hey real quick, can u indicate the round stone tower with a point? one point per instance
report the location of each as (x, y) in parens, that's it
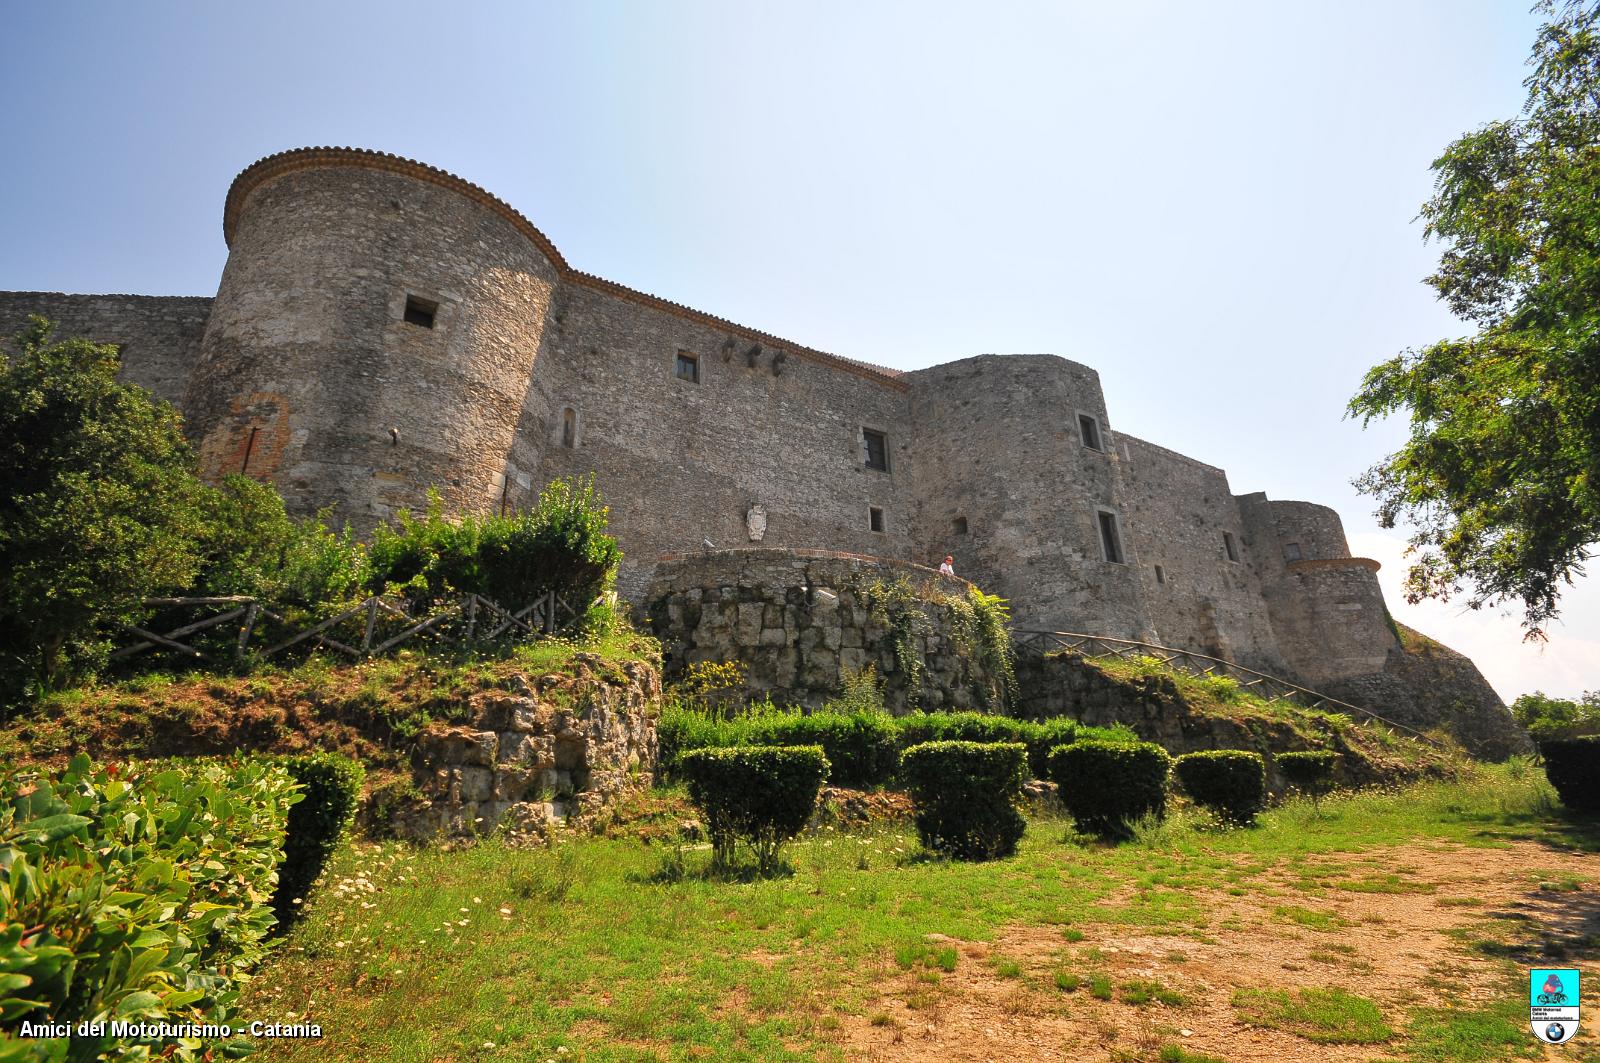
(1018, 478)
(372, 336)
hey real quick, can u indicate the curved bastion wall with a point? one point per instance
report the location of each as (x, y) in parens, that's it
(800, 620)
(372, 337)
(1017, 468)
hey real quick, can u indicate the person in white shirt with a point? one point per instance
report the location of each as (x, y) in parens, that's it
(948, 568)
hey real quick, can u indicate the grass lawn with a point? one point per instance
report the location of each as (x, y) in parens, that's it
(611, 949)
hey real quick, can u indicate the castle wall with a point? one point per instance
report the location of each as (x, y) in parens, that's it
(1326, 607)
(680, 462)
(305, 370)
(159, 334)
(998, 445)
(310, 374)
(1180, 515)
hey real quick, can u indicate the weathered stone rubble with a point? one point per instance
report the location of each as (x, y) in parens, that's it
(799, 620)
(543, 751)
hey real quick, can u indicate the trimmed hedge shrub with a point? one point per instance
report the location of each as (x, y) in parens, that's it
(332, 792)
(1230, 782)
(1107, 785)
(1310, 771)
(1573, 765)
(1040, 737)
(761, 794)
(966, 796)
(862, 747)
(135, 892)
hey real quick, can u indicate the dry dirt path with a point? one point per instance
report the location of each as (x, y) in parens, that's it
(1446, 932)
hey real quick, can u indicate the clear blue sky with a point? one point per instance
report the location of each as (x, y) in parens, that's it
(1212, 204)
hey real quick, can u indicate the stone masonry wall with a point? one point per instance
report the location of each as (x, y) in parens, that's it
(1179, 514)
(159, 334)
(682, 461)
(1427, 685)
(799, 620)
(555, 747)
(310, 373)
(999, 446)
(304, 370)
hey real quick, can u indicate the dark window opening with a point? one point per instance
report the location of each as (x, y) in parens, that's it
(1229, 546)
(875, 518)
(960, 525)
(1291, 551)
(877, 449)
(420, 311)
(569, 427)
(687, 367)
(1110, 540)
(1161, 576)
(1089, 429)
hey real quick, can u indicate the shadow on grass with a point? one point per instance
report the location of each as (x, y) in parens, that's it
(675, 868)
(1557, 829)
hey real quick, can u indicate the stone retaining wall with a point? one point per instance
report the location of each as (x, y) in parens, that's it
(799, 620)
(548, 749)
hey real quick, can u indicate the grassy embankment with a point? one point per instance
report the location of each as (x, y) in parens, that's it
(610, 949)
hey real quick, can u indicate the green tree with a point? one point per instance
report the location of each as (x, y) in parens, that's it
(99, 508)
(1500, 477)
(1547, 718)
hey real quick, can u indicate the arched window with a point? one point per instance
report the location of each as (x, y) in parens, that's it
(569, 427)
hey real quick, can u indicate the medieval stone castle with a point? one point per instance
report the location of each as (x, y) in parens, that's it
(383, 326)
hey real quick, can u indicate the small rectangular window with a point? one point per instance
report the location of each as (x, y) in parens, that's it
(1089, 429)
(877, 448)
(875, 518)
(1161, 575)
(960, 526)
(1110, 538)
(1291, 551)
(1229, 546)
(687, 367)
(420, 311)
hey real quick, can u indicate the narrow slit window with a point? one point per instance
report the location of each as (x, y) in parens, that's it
(875, 518)
(1110, 538)
(1089, 429)
(959, 526)
(420, 311)
(1161, 575)
(877, 449)
(1291, 551)
(687, 367)
(1230, 546)
(569, 427)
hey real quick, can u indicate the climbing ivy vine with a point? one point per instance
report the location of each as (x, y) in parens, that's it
(976, 623)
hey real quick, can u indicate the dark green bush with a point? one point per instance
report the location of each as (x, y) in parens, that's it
(966, 796)
(763, 795)
(1230, 782)
(559, 544)
(1107, 785)
(1573, 765)
(1310, 771)
(134, 891)
(862, 747)
(331, 785)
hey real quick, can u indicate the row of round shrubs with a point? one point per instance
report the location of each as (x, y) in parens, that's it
(864, 748)
(966, 793)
